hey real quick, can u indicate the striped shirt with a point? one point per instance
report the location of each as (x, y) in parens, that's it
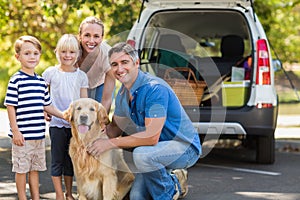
(28, 94)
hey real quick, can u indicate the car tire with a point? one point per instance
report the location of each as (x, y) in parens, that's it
(265, 149)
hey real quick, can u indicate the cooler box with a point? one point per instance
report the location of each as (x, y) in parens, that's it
(234, 94)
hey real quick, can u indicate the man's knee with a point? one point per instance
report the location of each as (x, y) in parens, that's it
(143, 161)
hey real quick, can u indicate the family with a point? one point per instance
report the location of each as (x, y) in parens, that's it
(164, 142)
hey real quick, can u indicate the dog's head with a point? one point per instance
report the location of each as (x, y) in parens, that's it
(86, 115)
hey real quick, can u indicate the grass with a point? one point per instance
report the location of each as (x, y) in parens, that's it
(288, 97)
(285, 91)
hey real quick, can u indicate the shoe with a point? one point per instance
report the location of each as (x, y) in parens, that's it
(182, 176)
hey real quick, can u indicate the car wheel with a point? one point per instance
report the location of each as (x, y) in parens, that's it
(265, 149)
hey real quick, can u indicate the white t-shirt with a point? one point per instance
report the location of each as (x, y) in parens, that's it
(64, 88)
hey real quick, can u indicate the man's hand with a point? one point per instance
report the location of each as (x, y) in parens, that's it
(99, 146)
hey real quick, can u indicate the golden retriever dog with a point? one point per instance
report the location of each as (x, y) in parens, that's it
(106, 177)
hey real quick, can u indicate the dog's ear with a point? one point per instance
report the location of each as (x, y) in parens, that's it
(68, 114)
(102, 115)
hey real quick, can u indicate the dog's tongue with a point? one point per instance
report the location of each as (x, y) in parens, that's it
(83, 128)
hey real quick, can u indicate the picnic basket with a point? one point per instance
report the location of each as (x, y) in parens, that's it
(187, 88)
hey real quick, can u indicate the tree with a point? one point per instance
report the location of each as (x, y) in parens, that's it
(281, 21)
(48, 20)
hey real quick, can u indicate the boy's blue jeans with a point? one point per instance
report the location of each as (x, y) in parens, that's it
(154, 163)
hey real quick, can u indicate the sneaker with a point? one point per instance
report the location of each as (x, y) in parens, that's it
(181, 175)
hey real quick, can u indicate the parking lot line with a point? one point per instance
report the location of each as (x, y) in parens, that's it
(243, 170)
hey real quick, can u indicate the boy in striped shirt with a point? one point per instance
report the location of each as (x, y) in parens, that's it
(26, 100)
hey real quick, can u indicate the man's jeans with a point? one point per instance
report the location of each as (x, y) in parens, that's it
(154, 163)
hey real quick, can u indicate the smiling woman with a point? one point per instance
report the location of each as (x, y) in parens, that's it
(94, 61)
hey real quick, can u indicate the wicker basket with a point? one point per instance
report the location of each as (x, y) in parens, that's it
(189, 91)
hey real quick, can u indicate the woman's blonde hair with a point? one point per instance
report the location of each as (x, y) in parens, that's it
(91, 20)
(68, 42)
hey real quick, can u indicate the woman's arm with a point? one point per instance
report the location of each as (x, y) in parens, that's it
(109, 86)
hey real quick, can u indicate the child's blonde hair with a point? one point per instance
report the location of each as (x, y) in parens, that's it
(27, 38)
(68, 42)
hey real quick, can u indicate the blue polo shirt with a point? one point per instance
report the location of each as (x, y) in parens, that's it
(154, 98)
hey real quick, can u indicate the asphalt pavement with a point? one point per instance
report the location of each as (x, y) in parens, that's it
(287, 136)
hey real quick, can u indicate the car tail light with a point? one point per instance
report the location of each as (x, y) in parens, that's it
(131, 42)
(264, 105)
(263, 73)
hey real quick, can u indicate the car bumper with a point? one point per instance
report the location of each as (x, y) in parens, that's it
(243, 121)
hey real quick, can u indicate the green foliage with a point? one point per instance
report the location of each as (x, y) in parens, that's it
(117, 15)
(281, 21)
(48, 20)
(286, 93)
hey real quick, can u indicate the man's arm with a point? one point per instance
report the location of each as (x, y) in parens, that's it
(112, 129)
(149, 137)
(108, 89)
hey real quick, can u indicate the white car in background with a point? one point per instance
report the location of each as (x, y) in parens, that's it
(223, 43)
